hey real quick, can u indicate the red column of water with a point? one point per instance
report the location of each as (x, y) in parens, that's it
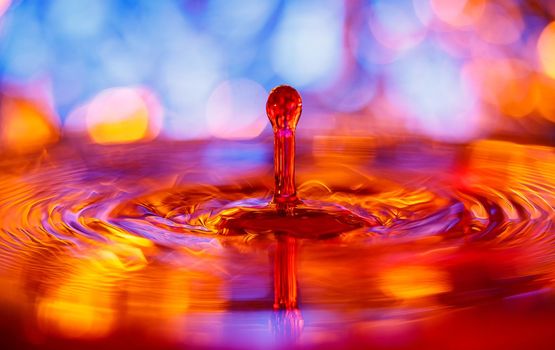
(284, 167)
(285, 274)
(284, 108)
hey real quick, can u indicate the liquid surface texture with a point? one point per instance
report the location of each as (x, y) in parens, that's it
(122, 247)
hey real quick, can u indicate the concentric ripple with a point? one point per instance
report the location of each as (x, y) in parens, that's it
(105, 220)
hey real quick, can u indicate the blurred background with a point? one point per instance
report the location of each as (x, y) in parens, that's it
(120, 71)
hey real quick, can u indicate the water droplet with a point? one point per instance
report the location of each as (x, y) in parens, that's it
(284, 108)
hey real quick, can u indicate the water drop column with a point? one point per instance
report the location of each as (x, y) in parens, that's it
(284, 109)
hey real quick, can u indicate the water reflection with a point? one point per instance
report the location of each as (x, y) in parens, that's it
(97, 249)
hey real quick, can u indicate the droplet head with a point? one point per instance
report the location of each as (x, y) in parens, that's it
(284, 107)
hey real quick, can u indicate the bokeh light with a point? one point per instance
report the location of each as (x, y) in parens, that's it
(428, 83)
(26, 124)
(395, 24)
(4, 4)
(446, 70)
(546, 49)
(506, 84)
(236, 110)
(500, 25)
(458, 13)
(305, 48)
(122, 115)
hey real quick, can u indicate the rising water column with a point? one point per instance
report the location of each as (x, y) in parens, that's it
(284, 109)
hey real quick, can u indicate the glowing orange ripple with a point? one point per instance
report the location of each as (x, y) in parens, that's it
(413, 282)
